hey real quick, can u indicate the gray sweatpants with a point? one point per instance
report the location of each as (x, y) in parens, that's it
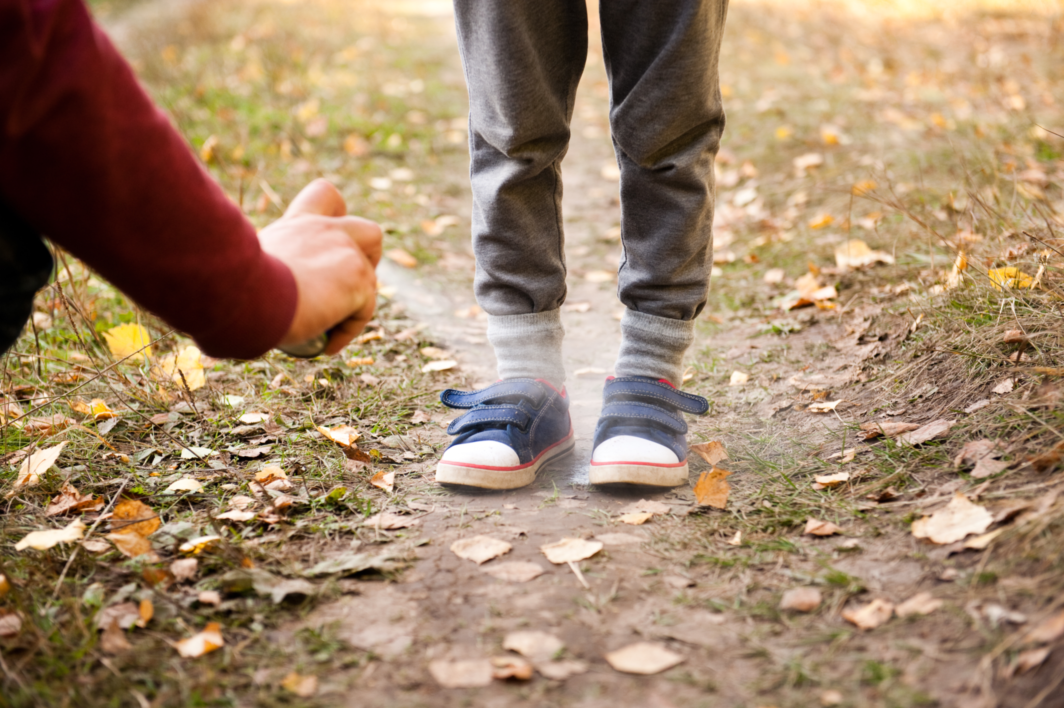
(523, 60)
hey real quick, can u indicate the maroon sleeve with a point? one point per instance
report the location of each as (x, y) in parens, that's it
(87, 159)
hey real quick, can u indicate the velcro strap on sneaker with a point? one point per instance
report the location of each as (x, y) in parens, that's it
(528, 389)
(629, 410)
(627, 387)
(504, 414)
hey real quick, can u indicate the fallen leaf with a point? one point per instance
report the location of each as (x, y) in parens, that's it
(636, 519)
(808, 161)
(387, 521)
(1004, 387)
(384, 480)
(236, 515)
(480, 549)
(1030, 659)
(774, 276)
(130, 545)
(930, 431)
(1048, 459)
(199, 544)
(437, 366)
(113, 640)
(43, 540)
(129, 341)
(804, 599)
(843, 457)
(712, 452)
(712, 488)
(816, 527)
(345, 435)
(511, 667)
(5, 586)
(953, 522)
(738, 378)
(146, 610)
(49, 425)
(982, 454)
(270, 474)
(871, 615)
(95, 545)
(184, 569)
(534, 645)
(124, 614)
(569, 550)
(36, 464)
(886, 429)
(100, 410)
(253, 418)
(856, 254)
(185, 484)
(401, 257)
(10, 623)
(736, 540)
(300, 685)
(821, 220)
(196, 453)
(136, 517)
(1047, 631)
(1009, 278)
(514, 571)
(923, 603)
(823, 406)
(466, 673)
(561, 670)
(199, 644)
(644, 658)
(649, 506)
(70, 499)
(827, 481)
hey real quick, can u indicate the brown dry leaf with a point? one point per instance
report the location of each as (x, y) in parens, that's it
(1030, 659)
(130, 545)
(146, 610)
(1005, 386)
(650, 506)
(199, 644)
(70, 499)
(10, 623)
(465, 673)
(886, 429)
(95, 545)
(827, 481)
(236, 515)
(1047, 631)
(511, 667)
(113, 640)
(738, 378)
(712, 452)
(805, 599)
(636, 519)
(856, 254)
(1014, 336)
(823, 406)
(387, 521)
(125, 614)
(570, 550)
(816, 527)
(270, 474)
(1048, 459)
(480, 549)
(43, 540)
(953, 522)
(36, 464)
(401, 257)
(922, 603)
(5, 586)
(384, 480)
(561, 670)
(871, 615)
(184, 569)
(438, 366)
(981, 541)
(133, 516)
(736, 540)
(514, 571)
(983, 454)
(302, 686)
(344, 435)
(534, 645)
(48, 425)
(713, 489)
(185, 484)
(930, 431)
(644, 658)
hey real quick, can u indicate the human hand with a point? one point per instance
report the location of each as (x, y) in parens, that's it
(333, 258)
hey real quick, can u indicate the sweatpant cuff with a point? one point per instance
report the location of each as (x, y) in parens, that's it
(654, 346)
(529, 346)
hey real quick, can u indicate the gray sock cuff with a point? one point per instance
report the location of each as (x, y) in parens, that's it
(654, 346)
(529, 346)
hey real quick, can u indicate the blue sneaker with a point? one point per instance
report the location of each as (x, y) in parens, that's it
(512, 429)
(641, 434)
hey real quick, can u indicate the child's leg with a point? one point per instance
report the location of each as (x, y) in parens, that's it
(666, 119)
(523, 60)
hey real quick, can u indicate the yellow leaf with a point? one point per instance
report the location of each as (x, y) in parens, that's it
(738, 378)
(130, 545)
(43, 540)
(197, 545)
(134, 517)
(637, 519)
(783, 132)
(864, 187)
(712, 452)
(302, 686)
(345, 435)
(129, 341)
(1009, 277)
(199, 644)
(78, 405)
(821, 221)
(959, 266)
(713, 489)
(270, 473)
(5, 586)
(401, 257)
(356, 146)
(188, 363)
(100, 410)
(36, 464)
(856, 254)
(207, 151)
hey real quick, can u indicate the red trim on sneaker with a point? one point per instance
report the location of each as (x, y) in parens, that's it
(681, 463)
(667, 382)
(518, 467)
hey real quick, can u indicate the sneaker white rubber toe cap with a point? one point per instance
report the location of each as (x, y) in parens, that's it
(482, 453)
(626, 459)
(628, 448)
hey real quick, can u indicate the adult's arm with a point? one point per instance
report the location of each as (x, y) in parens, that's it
(88, 161)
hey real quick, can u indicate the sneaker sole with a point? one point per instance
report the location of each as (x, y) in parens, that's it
(501, 477)
(637, 473)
